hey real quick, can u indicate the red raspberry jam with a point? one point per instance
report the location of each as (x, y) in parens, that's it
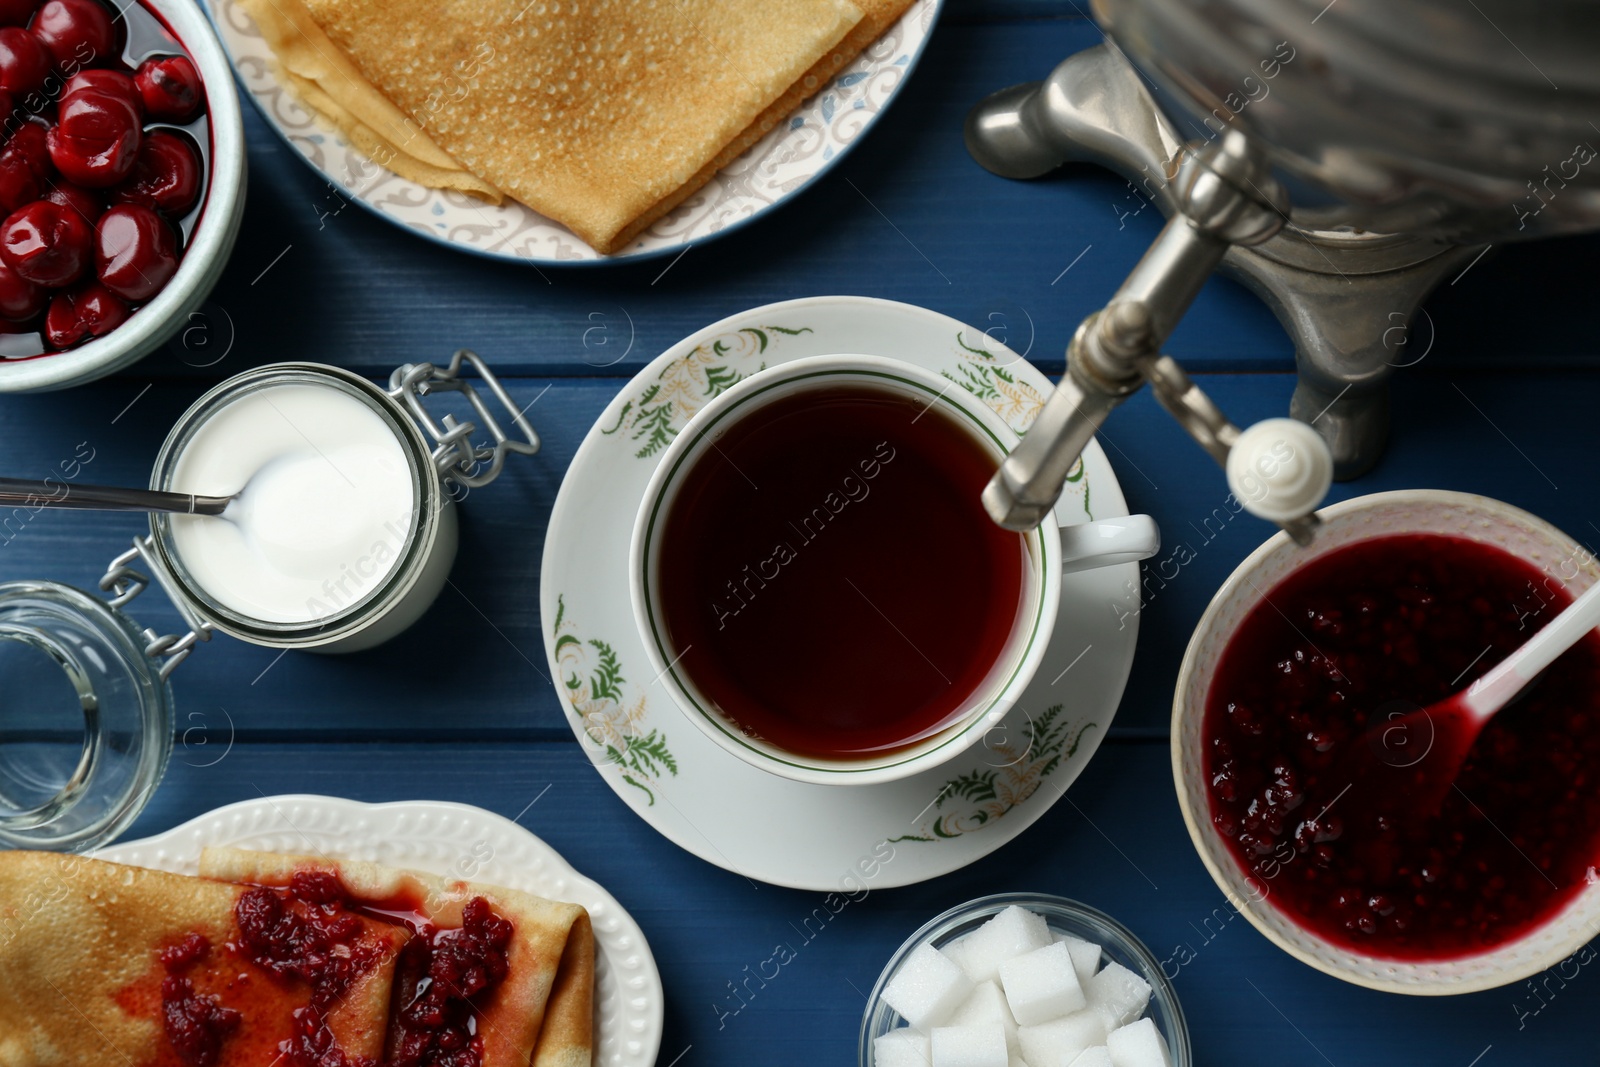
(247, 1002)
(305, 934)
(1357, 638)
(196, 1024)
(445, 975)
(191, 950)
(310, 933)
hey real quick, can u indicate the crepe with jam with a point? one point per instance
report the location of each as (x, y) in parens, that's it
(285, 960)
(106, 964)
(603, 116)
(541, 1004)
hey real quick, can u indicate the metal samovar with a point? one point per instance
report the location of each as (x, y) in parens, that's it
(1339, 159)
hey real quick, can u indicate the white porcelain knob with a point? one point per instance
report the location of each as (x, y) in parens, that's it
(1280, 469)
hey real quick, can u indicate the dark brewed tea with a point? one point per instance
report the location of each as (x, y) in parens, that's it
(829, 575)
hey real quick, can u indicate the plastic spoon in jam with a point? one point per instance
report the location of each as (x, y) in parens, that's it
(29, 493)
(1448, 728)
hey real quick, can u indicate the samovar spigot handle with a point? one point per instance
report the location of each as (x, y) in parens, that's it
(1226, 195)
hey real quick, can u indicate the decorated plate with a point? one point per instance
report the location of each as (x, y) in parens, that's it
(708, 800)
(820, 131)
(454, 840)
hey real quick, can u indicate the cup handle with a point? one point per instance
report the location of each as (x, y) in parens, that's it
(1088, 545)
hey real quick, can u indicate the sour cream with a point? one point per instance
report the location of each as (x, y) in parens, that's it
(324, 507)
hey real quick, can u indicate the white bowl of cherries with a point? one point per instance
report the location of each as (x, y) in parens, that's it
(121, 182)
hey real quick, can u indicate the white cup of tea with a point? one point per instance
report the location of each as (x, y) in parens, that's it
(818, 587)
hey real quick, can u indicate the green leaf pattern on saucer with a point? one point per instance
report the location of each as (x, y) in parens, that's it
(979, 797)
(592, 677)
(594, 683)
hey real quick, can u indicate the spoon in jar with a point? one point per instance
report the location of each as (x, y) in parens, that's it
(25, 492)
(1385, 764)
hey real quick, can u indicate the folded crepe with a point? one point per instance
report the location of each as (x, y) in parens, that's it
(330, 84)
(603, 115)
(876, 18)
(81, 975)
(542, 1014)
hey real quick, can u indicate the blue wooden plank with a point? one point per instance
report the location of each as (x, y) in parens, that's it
(1119, 845)
(979, 11)
(908, 217)
(1515, 309)
(1491, 434)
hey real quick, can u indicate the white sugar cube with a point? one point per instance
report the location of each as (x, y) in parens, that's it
(901, 1048)
(1058, 1042)
(956, 952)
(988, 1005)
(1138, 1044)
(1042, 985)
(1098, 1056)
(980, 1045)
(1085, 956)
(927, 988)
(1016, 1061)
(1010, 933)
(1117, 995)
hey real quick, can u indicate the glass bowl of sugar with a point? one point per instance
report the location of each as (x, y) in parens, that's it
(1023, 980)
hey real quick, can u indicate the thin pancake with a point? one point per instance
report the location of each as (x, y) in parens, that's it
(327, 82)
(544, 1011)
(79, 945)
(878, 16)
(593, 114)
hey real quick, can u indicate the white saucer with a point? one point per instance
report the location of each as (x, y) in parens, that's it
(807, 143)
(455, 840)
(710, 802)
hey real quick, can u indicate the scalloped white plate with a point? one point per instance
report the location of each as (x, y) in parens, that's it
(819, 132)
(455, 840)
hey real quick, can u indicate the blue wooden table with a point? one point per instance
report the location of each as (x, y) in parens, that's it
(458, 708)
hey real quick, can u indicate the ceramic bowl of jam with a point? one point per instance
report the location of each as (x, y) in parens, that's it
(121, 182)
(1305, 654)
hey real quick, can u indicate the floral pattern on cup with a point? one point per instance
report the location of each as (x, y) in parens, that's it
(803, 835)
(654, 417)
(1011, 397)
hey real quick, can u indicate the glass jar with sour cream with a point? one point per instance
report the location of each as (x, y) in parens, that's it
(342, 531)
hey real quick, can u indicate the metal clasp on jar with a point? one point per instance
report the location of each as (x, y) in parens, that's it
(123, 583)
(458, 460)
